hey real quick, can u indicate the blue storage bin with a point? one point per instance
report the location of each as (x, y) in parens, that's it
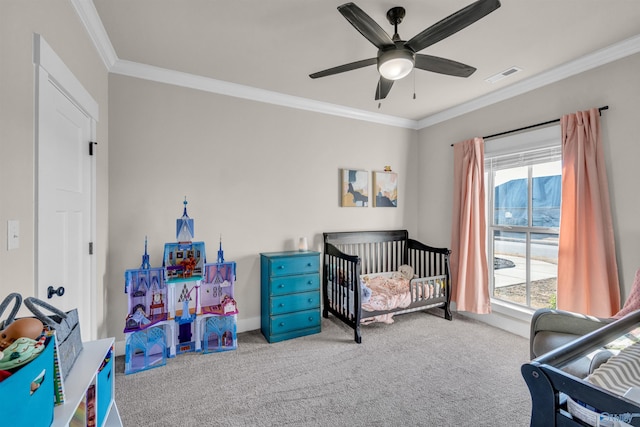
(18, 403)
(105, 387)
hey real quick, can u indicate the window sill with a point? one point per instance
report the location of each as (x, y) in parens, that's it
(511, 310)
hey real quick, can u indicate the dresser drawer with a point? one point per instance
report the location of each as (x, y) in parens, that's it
(295, 302)
(291, 284)
(294, 265)
(294, 321)
(290, 294)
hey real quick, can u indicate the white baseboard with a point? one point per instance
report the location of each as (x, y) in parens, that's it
(510, 318)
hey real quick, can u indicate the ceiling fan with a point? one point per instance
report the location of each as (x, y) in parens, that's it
(396, 58)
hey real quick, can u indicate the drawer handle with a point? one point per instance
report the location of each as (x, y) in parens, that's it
(281, 324)
(281, 267)
(310, 299)
(281, 285)
(281, 305)
(310, 319)
(309, 265)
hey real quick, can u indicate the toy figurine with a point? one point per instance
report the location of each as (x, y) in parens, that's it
(27, 327)
(20, 342)
(189, 265)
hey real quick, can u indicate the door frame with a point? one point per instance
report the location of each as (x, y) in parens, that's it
(50, 69)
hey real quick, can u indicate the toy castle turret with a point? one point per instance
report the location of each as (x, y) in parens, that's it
(220, 252)
(184, 226)
(186, 258)
(145, 258)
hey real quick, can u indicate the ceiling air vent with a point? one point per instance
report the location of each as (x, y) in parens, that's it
(506, 73)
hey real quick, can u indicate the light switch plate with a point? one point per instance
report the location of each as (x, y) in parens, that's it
(13, 234)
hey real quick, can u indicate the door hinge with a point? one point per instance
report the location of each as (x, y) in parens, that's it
(90, 248)
(91, 144)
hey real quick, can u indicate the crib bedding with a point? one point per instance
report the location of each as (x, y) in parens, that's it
(388, 291)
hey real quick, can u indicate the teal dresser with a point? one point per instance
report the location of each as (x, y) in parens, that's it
(290, 294)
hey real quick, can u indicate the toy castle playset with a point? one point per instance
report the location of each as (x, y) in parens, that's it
(184, 306)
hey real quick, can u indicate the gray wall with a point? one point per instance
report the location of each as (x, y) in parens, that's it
(259, 174)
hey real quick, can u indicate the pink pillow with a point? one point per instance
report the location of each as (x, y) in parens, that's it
(633, 301)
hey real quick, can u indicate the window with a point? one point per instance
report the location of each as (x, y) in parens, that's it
(523, 176)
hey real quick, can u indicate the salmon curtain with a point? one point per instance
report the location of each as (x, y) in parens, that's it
(469, 272)
(587, 268)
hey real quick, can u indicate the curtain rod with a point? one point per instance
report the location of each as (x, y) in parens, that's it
(600, 110)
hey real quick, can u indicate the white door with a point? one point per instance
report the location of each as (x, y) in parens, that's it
(64, 266)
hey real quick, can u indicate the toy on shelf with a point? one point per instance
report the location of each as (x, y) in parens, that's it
(184, 306)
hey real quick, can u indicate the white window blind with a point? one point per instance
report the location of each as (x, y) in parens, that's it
(527, 148)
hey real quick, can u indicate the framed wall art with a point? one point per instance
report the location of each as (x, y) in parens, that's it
(385, 189)
(354, 188)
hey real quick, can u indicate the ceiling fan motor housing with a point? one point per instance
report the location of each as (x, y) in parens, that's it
(395, 15)
(394, 64)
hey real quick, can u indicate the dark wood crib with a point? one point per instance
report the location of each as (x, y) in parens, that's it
(348, 255)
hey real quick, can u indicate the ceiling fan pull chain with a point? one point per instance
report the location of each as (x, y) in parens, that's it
(414, 83)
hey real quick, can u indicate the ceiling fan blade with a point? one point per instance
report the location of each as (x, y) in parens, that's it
(383, 87)
(452, 24)
(443, 66)
(366, 25)
(343, 68)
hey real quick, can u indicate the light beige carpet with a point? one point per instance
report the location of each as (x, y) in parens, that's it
(420, 371)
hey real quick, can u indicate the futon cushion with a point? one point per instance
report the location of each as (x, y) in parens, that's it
(545, 341)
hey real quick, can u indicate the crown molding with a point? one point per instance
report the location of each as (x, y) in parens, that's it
(88, 14)
(600, 57)
(91, 20)
(206, 84)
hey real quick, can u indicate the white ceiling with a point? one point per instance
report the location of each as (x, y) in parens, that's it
(274, 45)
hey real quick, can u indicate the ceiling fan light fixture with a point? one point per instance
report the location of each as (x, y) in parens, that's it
(395, 64)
